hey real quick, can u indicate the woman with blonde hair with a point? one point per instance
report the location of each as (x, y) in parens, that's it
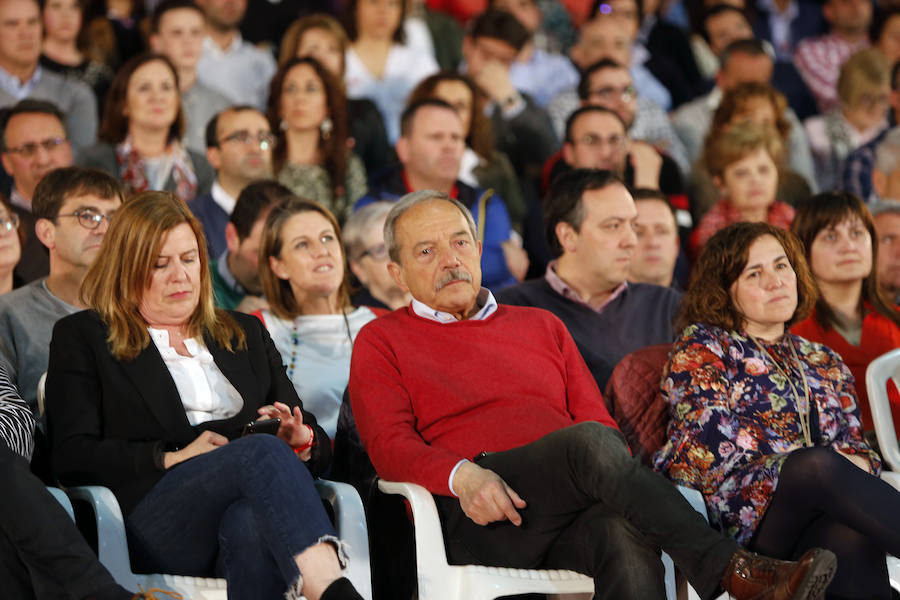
(864, 90)
(303, 273)
(320, 36)
(744, 162)
(150, 392)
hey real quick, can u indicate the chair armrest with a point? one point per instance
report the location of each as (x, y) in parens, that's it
(877, 374)
(429, 536)
(61, 497)
(112, 545)
(350, 522)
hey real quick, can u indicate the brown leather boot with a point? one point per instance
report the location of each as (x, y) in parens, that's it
(758, 577)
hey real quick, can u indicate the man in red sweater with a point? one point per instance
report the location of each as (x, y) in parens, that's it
(493, 410)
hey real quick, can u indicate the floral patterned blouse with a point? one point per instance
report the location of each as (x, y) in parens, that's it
(734, 418)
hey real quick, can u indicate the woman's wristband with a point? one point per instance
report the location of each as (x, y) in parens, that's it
(309, 443)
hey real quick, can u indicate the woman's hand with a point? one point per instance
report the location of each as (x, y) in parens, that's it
(205, 442)
(292, 429)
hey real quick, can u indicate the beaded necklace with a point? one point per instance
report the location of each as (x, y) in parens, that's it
(295, 340)
(802, 405)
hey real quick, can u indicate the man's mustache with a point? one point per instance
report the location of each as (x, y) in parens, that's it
(451, 276)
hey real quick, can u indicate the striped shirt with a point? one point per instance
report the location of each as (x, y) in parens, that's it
(819, 62)
(16, 421)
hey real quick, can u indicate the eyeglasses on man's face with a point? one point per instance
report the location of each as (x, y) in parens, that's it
(90, 218)
(609, 93)
(30, 149)
(263, 139)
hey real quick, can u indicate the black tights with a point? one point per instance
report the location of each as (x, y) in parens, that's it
(824, 500)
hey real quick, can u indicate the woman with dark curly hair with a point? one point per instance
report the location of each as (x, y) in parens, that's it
(308, 111)
(852, 315)
(765, 423)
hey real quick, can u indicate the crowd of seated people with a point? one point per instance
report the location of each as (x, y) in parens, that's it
(260, 219)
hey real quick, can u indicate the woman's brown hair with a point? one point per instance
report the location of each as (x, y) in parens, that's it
(708, 297)
(333, 148)
(290, 41)
(348, 19)
(738, 142)
(120, 275)
(480, 136)
(278, 291)
(736, 100)
(826, 210)
(114, 126)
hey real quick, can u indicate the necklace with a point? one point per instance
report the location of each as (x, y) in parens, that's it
(295, 341)
(803, 406)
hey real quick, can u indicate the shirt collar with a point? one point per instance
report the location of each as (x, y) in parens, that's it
(209, 45)
(17, 88)
(227, 276)
(222, 198)
(565, 290)
(454, 191)
(485, 301)
(17, 199)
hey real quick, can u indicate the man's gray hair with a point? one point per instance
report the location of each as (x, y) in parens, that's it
(885, 207)
(407, 202)
(887, 154)
(359, 223)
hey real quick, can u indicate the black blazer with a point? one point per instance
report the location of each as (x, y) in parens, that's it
(108, 419)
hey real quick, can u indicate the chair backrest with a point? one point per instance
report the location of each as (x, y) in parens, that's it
(881, 369)
(632, 397)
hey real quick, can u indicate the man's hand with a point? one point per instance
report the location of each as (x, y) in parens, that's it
(494, 80)
(647, 163)
(485, 497)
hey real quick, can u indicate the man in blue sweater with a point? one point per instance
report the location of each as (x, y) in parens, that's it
(589, 220)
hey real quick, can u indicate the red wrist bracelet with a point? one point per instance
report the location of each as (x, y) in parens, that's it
(309, 443)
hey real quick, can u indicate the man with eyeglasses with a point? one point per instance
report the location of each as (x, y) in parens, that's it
(72, 207)
(177, 29)
(33, 142)
(239, 146)
(608, 84)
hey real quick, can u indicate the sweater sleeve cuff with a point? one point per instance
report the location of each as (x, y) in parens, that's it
(452, 473)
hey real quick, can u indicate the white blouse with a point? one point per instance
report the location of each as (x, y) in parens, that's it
(205, 392)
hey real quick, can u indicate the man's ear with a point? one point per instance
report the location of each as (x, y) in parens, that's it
(565, 234)
(212, 156)
(568, 154)
(879, 182)
(232, 239)
(402, 149)
(155, 44)
(45, 231)
(7, 164)
(396, 273)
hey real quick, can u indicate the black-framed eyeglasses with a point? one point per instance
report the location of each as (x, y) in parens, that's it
(90, 218)
(614, 141)
(377, 252)
(10, 223)
(30, 149)
(264, 139)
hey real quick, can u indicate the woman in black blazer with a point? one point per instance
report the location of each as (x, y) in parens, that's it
(148, 393)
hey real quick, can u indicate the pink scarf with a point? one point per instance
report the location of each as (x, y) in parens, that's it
(131, 166)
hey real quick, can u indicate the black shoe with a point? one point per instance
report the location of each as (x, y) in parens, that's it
(341, 589)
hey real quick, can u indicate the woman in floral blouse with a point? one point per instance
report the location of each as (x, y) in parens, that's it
(765, 423)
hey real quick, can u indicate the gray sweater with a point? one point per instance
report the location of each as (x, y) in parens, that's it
(27, 316)
(74, 98)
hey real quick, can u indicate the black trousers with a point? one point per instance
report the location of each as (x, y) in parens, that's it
(595, 509)
(42, 553)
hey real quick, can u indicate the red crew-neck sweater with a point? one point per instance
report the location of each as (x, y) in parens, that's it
(426, 395)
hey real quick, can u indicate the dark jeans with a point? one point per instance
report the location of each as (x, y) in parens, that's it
(42, 554)
(242, 512)
(823, 500)
(595, 509)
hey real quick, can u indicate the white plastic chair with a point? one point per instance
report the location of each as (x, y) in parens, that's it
(439, 580)
(112, 546)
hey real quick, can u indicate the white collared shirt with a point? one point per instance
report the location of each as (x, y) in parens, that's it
(485, 300)
(205, 392)
(225, 200)
(241, 71)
